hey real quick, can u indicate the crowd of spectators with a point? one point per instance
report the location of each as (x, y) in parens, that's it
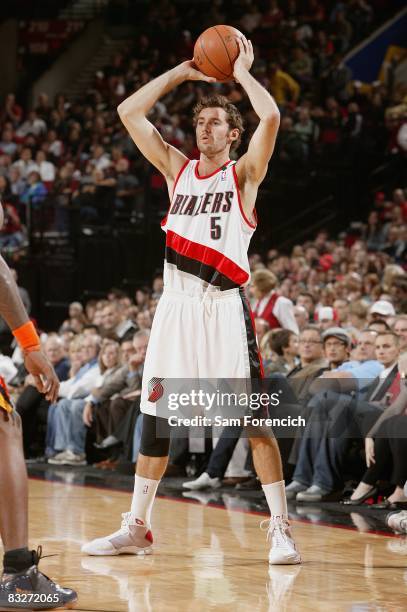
(330, 320)
(330, 316)
(76, 155)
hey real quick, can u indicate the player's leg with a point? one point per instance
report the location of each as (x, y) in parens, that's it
(267, 463)
(13, 479)
(20, 571)
(230, 349)
(134, 535)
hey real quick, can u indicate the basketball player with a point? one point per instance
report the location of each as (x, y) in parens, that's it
(202, 327)
(22, 585)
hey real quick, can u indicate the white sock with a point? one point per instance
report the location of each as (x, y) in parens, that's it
(143, 498)
(276, 499)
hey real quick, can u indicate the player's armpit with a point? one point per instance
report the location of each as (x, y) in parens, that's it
(166, 158)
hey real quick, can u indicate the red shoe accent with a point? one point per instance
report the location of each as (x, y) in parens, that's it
(149, 536)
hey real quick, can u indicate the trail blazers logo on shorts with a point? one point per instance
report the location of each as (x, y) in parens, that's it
(155, 389)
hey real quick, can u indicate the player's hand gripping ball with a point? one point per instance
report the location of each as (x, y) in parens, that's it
(216, 50)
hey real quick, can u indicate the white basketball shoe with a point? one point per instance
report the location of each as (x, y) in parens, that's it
(203, 482)
(283, 550)
(134, 537)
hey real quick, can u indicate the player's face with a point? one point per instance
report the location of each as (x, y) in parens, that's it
(213, 133)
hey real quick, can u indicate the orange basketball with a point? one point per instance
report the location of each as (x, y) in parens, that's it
(215, 51)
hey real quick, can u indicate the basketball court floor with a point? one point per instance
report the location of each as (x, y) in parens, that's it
(210, 553)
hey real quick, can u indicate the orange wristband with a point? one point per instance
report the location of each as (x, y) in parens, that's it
(27, 337)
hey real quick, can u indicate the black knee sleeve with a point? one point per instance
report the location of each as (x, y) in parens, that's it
(155, 437)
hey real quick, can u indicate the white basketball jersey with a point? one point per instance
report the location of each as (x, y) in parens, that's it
(208, 233)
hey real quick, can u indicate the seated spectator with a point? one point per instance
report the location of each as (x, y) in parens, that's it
(17, 184)
(144, 320)
(70, 430)
(262, 327)
(121, 384)
(7, 144)
(25, 164)
(386, 447)
(291, 150)
(306, 129)
(336, 347)
(32, 125)
(341, 308)
(112, 324)
(284, 343)
(336, 416)
(121, 413)
(46, 168)
(270, 306)
(301, 66)
(379, 326)
(100, 159)
(127, 186)
(301, 316)
(11, 234)
(78, 386)
(35, 192)
(358, 312)
(307, 300)
(312, 363)
(282, 86)
(32, 405)
(382, 309)
(400, 328)
(326, 317)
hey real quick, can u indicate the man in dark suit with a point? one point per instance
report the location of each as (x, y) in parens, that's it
(335, 419)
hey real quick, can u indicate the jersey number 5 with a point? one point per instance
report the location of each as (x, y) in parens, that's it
(216, 229)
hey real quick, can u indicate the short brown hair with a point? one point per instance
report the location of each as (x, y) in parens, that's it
(389, 333)
(234, 118)
(281, 340)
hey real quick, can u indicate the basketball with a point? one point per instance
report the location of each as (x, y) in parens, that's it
(216, 50)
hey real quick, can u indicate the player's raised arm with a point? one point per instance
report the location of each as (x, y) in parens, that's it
(134, 110)
(252, 167)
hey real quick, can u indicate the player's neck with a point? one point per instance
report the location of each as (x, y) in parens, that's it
(207, 165)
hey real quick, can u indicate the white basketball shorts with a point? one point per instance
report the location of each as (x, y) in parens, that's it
(207, 336)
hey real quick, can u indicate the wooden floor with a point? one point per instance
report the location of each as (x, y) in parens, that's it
(210, 559)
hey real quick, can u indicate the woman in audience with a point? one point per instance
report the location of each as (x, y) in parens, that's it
(386, 449)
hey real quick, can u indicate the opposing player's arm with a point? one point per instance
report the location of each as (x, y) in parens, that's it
(14, 313)
(134, 110)
(252, 167)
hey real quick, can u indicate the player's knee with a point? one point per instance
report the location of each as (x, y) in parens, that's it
(155, 437)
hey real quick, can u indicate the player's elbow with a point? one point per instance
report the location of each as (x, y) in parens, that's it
(128, 111)
(272, 117)
(123, 110)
